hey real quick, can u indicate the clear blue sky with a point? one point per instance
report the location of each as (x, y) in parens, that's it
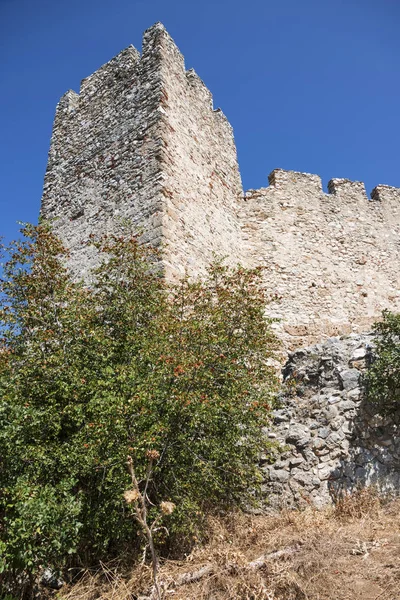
(308, 85)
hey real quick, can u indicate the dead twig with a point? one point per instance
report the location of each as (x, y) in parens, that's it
(138, 500)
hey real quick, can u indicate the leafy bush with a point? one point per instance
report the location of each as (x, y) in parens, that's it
(383, 376)
(90, 375)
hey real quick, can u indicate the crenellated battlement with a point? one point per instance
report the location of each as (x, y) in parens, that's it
(384, 193)
(332, 259)
(342, 188)
(142, 141)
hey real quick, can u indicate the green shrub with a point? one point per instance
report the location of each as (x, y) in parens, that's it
(383, 376)
(90, 375)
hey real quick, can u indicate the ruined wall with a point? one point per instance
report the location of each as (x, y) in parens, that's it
(331, 439)
(331, 259)
(141, 142)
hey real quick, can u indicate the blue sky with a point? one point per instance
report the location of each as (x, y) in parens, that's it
(308, 85)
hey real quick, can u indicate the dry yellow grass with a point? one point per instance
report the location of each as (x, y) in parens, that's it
(351, 552)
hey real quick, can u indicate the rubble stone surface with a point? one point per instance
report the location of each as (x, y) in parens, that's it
(330, 440)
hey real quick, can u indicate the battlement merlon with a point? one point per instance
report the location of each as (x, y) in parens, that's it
(387, 194)
(159, 52)
(351, 191)
(157, 34)
(65, 112)
(279, 178)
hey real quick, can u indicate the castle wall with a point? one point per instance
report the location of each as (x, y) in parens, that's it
(141, 146)
(331, 260)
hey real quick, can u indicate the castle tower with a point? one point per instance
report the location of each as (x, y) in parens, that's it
(142, 142)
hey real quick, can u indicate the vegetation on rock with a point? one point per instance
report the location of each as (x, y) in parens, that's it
(383, 376)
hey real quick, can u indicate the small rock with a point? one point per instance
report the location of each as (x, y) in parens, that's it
(323, 432)
(281, 464)
(349, 378)
(354, 395)
(303, 442)
(347, 428)
(336, 423)
(346, 405)
(334, 439)
(330, 413)
(297, 433)
(280, 416)
(279, 475)
(360, 473)
(327, 457)
(325, 471)
(359, 353)
(322, 452)
(50, 579)
(336, 452)
(334, 399)
(319, 443)
(305, 479)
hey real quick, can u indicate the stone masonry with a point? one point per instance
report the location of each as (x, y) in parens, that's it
(333, 260)
(142, 142)
(330, 440)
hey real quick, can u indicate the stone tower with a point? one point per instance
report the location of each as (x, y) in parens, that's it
(141, 141)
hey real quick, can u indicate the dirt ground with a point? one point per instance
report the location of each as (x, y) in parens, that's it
(351, 552)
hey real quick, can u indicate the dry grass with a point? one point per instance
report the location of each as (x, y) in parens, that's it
(351, 552)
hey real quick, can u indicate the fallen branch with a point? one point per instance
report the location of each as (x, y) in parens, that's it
(209, 569)
(193, 576)
(254, 565)
(260, 562)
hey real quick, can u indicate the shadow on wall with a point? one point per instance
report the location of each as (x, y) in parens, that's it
(331, 439)
(374, 455)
